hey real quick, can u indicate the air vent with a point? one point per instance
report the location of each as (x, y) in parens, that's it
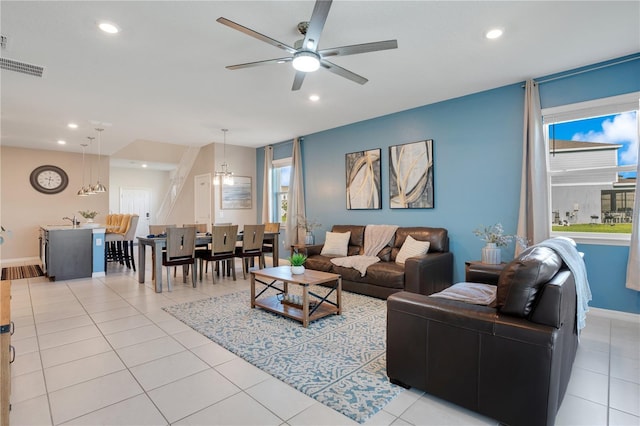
(3, 41)
(21, 67)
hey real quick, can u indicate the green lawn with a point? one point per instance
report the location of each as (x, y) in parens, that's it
(617, 228)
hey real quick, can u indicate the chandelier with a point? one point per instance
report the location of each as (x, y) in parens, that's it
(225, 176)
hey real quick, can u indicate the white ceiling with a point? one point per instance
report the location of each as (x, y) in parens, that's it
(163, 77)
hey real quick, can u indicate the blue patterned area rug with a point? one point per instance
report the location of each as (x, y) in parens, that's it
(339, 360)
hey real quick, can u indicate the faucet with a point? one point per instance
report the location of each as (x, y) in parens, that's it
(73, 220)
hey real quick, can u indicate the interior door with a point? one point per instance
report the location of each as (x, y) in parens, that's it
(137, 201)
(202, 199)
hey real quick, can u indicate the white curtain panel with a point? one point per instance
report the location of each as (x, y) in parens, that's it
(633, 266)
(295, 198)
(267, 184)
(533, 218)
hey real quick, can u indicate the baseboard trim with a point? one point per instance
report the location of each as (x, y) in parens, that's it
(619, 315)
(19, 261)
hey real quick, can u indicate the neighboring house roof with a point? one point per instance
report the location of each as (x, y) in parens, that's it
(625, 182)
(569, 146)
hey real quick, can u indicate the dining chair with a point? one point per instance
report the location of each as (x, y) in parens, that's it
(180, 251)
(267, 243)
(223, 247)
(252, 238)
(201, 228)
(158, 230)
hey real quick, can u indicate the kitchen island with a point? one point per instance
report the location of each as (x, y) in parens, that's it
(70, 252)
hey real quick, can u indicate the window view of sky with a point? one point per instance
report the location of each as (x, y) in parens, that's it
(620, 129)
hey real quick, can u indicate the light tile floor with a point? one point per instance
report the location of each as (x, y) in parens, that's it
(101, 351)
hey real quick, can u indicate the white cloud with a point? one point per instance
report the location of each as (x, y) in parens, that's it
(623, 129)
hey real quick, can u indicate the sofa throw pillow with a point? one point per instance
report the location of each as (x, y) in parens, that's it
(411, 247)
(336, 243)
(520, 281)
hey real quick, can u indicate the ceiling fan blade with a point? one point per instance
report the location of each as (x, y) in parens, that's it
(259, 63)
(330, 66)
(354, 49)
(316, 24)
(255, 34)
(297, 80)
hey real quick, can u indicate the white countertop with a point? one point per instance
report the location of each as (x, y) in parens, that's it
(93, 226)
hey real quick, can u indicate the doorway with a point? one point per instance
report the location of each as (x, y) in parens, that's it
(137, 201)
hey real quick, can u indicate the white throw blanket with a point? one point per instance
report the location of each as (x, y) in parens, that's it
(376, 237)
(475, 293)
(567, 250)
(361, 263)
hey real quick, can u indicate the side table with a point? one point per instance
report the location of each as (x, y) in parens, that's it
(476, 271)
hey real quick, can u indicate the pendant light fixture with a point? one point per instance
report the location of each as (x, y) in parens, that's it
(90, 188)
(99, 187)
(225, 176)
(83, 191)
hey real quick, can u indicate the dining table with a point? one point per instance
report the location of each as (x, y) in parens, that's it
(157, 243)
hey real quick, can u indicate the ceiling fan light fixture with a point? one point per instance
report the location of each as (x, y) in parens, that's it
(494, 33)
(306, 61)
(108, 27)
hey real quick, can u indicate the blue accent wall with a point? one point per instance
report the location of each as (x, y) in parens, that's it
(477, 167)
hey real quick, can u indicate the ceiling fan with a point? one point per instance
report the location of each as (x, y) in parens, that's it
(305, 55)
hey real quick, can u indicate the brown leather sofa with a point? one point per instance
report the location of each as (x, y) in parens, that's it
(424, 274)
(511, 362)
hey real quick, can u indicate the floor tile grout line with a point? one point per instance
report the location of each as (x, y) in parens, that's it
(126, 367)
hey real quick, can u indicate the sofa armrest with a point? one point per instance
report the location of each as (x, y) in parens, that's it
(429, 273)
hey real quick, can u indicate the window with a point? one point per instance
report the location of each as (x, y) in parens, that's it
(281, 174)
(592, 158)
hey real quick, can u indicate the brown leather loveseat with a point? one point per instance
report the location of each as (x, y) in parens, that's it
(425, 274)
(511, 362)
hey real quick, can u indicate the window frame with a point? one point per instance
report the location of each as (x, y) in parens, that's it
(273, 193)
(582, 110)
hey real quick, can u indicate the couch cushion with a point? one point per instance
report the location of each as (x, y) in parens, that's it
(336, 243)
(410, 248)
(319, 263)
(382, 274)
(438, 237)
(357, 235)
(521, 280)
(386, 274)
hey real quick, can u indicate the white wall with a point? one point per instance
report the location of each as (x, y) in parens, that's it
(156, 181)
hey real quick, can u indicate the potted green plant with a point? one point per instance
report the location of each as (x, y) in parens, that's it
(297, 263)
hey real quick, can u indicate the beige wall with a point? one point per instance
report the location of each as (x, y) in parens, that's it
(242, 162)
(155, 181)
(23, 209)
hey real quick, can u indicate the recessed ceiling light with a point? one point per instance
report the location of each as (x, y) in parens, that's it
(108, 27)
(144, 166)
(314, 98)
(61, 142)
(494, 33)
(72, 125)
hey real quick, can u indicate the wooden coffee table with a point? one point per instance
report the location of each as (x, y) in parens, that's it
(303, 312)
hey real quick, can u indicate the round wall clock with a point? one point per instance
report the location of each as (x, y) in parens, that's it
(49, 179)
